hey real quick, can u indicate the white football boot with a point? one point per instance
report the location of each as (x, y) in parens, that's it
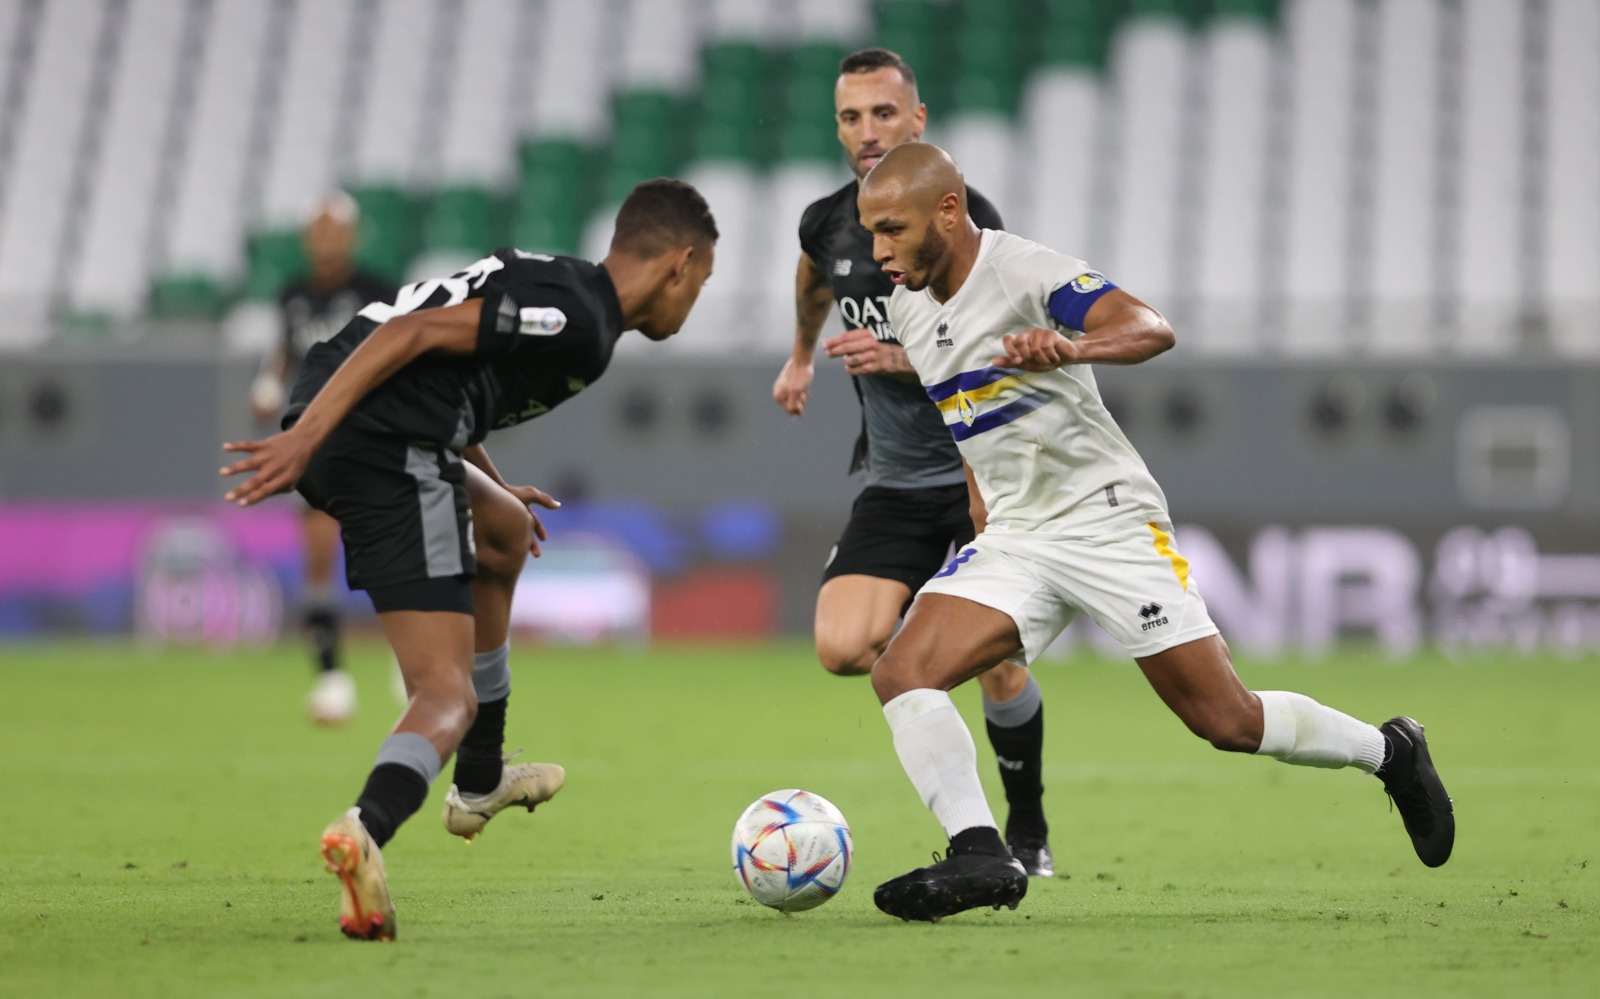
(349, 852)
(526, 784)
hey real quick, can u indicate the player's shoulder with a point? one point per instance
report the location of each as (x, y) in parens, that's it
(579, 288)
(1008, 251)
(824, 210)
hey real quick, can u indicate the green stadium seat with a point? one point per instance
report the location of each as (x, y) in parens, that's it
(1263, 10)
(553, 198)
(275, 259)
(647, 141)
(732, 97)
(388, 234)
(187, 296)
(1076, 34)
(461, 222)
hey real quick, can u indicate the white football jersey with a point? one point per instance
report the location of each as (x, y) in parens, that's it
(1046, 453)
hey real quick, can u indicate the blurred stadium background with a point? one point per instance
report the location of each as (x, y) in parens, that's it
(1374, 223)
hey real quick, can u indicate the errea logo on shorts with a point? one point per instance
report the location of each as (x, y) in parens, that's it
(541, 322)
(1152, 615)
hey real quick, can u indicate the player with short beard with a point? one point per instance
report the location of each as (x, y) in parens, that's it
(1003, 334)
(914, 506)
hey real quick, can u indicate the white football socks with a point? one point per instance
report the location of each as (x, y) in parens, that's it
(1298, 730)
(938, 755)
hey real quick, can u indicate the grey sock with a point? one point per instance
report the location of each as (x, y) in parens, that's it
(1018, 710)
(491, 673)
(412, 751)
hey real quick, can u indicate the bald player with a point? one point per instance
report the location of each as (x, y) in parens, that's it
(313, 308)
(1002, 333)
(912, 511)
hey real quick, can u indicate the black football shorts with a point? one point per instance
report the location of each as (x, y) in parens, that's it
(901, 534)
(404, 515)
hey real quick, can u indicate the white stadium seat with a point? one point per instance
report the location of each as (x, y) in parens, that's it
(206, 233)
(389, 137)
(1224, 280)
(1485, 283)
(48, 140)
(1401, 273)
(112, 266)
(306, 142)
(1315, 238)
(1571, 229)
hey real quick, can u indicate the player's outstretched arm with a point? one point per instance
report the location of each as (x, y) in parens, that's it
(813, 300)
(1118, 329)
(529, 496)
(277, 463)
(865, 354)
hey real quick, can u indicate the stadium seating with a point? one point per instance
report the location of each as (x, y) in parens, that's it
(1299, 177)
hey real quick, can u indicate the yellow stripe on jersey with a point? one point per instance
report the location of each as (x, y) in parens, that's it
(981, 394)
(1180, 565)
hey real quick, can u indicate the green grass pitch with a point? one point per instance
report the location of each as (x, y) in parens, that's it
(161, 813)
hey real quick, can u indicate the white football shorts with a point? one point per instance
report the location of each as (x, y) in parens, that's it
(1132, 582)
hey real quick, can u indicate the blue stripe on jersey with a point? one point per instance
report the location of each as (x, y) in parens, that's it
(969, 380)
(999, 417)
(1070, 303)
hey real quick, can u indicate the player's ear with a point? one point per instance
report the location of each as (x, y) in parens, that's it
(920, 116)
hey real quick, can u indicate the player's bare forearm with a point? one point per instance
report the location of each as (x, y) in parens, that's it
(813, 300)
(894, 363)
(1119, 329)
(478, 455)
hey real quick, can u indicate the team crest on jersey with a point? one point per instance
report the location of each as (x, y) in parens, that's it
(1085, 283)
(541, 322)
(841, 267)
(965, 409)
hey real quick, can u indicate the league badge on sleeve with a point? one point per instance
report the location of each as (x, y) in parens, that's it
(541, 322)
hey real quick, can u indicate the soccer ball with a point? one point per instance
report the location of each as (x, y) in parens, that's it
(791, 850)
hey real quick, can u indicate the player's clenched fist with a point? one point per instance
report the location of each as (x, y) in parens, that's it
(1036, 349)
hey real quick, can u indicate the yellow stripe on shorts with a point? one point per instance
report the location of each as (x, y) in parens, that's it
(1180, 565)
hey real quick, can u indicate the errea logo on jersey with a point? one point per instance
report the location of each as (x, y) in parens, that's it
(944, 339)
(541, 322)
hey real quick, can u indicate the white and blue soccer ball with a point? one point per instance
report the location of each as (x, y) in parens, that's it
(791, 850)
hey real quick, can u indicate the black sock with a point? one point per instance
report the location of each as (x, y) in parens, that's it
(478, 758)
(1021, 771)
(979, 839)
(321, 624)
(393, 794)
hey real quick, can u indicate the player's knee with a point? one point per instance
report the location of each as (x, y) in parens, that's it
(1229, 731)
(845, 659)
(893, 675)
(503, 545)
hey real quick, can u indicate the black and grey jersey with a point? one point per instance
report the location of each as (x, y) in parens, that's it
(547, 330)
(904, 442)
(312, 313)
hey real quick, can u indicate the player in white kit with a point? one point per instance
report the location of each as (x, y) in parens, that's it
(1002, 333)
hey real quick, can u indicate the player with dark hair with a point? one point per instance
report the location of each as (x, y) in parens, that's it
(385, 432)
(313, 308)
(1003, 333)
(914, 506)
